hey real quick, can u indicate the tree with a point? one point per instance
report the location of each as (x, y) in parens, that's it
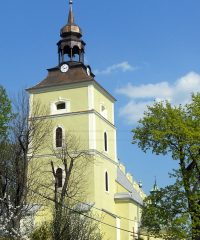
(20, 186)
(5, 118)
(165, 213)
(78, 225)
(5, 112)
(25, 138)
(41, 233)
(175, 130)
(69, 222)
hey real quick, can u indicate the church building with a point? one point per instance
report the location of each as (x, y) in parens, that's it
(78, 104)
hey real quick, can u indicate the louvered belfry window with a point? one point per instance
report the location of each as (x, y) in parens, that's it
(59, 137)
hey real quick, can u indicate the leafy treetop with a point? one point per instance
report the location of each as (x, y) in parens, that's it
(5, 112)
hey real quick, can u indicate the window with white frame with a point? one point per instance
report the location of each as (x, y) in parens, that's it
(60, 107)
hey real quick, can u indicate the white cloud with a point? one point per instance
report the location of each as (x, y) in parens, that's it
(133, 111)
(140, 96)
(123, 66)
(146, 91)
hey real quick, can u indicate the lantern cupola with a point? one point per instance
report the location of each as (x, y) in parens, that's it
(71, 46)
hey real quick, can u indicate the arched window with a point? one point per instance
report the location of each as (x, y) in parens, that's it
(59, 137)
(76, 53)
(59, 177)
(106, 182)
(105, 141)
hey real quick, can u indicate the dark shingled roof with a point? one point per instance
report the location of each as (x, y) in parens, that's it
(77, 73)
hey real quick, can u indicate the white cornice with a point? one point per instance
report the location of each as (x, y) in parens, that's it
(127, 197)
(71, 86)
(90, 151)
(77, 113)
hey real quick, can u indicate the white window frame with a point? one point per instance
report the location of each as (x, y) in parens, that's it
(54, 136)
(54, 104)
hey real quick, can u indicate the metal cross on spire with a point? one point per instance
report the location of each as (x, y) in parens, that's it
(71, 2)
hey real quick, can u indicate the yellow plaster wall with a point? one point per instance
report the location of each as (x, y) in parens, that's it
(104, 199)
(100, 98)
(43, 184)
(109, 232)
(74, 125)
(101, 127)
(123, 210)
(120, 188)
(78, 97)
(43, 215)
(78, 124)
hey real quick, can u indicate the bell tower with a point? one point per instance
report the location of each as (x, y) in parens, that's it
(71, 46)
(77, 105)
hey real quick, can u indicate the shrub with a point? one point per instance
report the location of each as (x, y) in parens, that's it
(41, 233)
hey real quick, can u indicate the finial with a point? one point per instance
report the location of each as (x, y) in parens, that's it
(155, 187)
(71, 16)
(155, 184)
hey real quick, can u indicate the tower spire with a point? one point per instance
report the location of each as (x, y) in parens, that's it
(71, 15)
(71, 46)
(155, 186)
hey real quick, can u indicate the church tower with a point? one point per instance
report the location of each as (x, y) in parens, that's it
(77, 104)
(73, 94)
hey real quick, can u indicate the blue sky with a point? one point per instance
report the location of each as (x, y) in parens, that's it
(140, 50)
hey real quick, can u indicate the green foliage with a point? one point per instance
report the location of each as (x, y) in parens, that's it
(41, 233)
(72, 225)
(165, 213)
(175, 130)
(5, 112)
(165, 127)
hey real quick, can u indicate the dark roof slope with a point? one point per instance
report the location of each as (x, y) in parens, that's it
(77, 73)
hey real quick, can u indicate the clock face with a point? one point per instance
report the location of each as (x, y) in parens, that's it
(88, 71)
(64, 68)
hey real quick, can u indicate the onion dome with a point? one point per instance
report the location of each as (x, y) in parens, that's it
(71, 28)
